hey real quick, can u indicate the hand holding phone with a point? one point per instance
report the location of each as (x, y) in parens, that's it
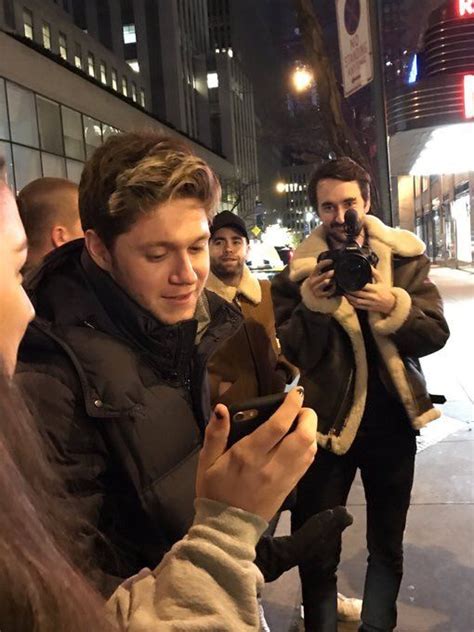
(260, 470)
(248, 416)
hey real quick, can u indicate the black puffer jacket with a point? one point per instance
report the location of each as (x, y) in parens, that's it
(124, 401)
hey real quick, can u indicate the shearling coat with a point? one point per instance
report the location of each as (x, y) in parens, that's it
(323, 336)
(250, 363)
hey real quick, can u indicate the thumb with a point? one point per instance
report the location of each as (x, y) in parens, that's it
(215, 438)
(376, 275)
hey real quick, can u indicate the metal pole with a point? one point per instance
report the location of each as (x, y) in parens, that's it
(379, 101)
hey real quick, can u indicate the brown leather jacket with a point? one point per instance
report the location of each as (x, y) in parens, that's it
(323, 337)
(250, 363)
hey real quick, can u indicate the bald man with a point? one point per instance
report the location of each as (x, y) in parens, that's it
(49, 210)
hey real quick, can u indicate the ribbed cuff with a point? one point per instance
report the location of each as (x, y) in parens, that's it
(236, 523)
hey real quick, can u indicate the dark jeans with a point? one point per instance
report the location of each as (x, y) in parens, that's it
(387, 468)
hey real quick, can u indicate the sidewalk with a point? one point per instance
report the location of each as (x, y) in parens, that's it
(436, 592)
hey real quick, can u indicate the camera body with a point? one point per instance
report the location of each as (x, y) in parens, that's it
(352, 263)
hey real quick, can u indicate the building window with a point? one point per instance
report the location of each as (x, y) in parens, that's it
(142, 97)
(91, 65)
(27, 24)
(113, 75)
(46, 32)
(21, 104)
(129, 34)
(78, 56)
(73, 133)
(49, 121)
(124, 87)
(103, 72)
(92, 135)
(63, 46)
(134, 65)
(27, 163)
(212, 80)
(53, 166)
(134, 92)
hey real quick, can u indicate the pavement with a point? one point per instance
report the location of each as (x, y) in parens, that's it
(437, 588)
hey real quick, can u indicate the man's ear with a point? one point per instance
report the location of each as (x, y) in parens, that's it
(367, 205)
(59, 236)
(98, 251)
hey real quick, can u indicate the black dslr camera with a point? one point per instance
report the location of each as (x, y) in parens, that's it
(352, 263)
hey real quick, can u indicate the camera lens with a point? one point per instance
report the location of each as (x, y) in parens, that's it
(353, 272)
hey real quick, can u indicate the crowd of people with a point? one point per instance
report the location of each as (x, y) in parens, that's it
(136, 325)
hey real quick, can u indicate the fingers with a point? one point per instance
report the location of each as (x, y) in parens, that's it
(269, 434)
(321, 283)
(215, 438)
(301, 443)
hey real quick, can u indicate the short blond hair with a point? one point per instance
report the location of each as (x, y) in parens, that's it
(132, 173)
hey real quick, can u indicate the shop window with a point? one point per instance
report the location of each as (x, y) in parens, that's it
(78, 56)
(74, 170)
(6, 152)
(124, 87)
(103, 72)
(73, 133)
(46, 34)
(4, 128)
(27, 24)
(114, 79)
(21, 105)
(27, 164)
(49, 121)
(91, 65)
(53, 166)
(108, 130)
(92, 135)
(63, 46)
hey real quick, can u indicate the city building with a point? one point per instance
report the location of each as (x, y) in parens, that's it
(233, 120)
(168, 43)
(65, 85)
(431, 126)
(298, 215)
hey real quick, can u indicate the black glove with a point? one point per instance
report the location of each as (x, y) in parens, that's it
(315, 543)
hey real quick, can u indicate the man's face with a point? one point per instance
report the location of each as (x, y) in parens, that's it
(335, 197)
(16, 311)
(163, 260)
(228, 250)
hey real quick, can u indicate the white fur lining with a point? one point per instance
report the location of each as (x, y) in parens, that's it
(248, 287)
(384, 241)
(323, 305)
(391, 323)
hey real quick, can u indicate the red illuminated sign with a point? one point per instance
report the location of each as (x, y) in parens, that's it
(465, 7)
(469, 96)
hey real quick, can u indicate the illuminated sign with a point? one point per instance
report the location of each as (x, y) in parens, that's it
(466, 7)
(469, 96)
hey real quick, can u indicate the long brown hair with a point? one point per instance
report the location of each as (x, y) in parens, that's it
(41, 590)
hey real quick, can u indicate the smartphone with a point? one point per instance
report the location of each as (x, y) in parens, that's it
(248, 416)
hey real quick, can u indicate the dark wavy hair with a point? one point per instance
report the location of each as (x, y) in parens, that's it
(344, 169)
(41, 588)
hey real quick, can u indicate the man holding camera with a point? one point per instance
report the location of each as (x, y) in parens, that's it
(356, 332)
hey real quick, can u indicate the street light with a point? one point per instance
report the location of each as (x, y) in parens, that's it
(280, 187)
(302, 79)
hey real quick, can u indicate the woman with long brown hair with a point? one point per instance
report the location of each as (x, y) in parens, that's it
(207, 581)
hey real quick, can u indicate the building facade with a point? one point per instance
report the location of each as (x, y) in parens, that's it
(431, 126)
(63, 90)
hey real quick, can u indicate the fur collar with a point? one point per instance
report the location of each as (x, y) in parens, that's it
(383, 240)
(249, 288)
